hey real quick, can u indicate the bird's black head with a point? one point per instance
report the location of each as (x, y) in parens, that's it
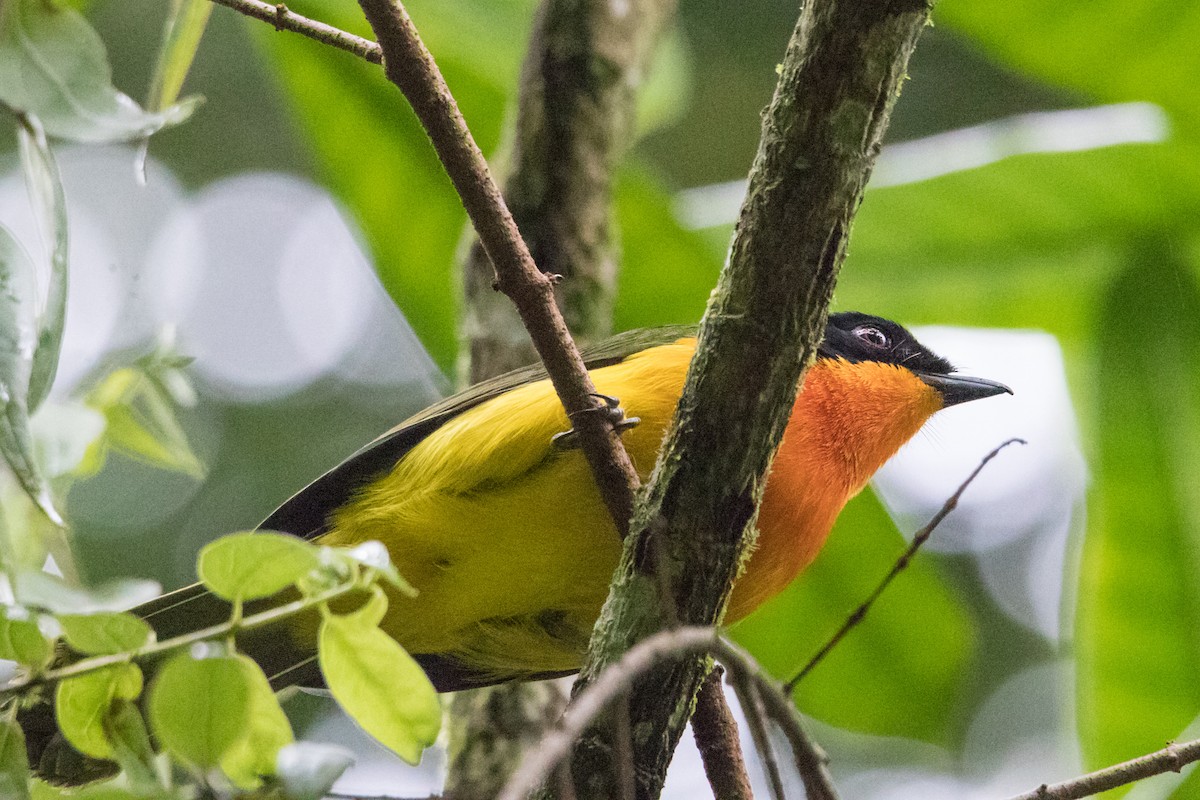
(857, 337)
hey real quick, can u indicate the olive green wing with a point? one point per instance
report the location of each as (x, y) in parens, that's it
(307, 512)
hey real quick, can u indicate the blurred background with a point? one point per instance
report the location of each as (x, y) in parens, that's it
(1034, 217)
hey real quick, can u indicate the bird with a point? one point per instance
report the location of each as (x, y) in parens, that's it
(492, 514)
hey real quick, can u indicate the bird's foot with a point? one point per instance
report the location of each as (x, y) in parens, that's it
(611, 411)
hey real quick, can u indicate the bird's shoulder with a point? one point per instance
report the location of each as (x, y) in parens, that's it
(514, 430)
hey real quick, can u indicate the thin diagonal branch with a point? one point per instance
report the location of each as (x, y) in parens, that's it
(1171, 758)
(664, 647)
(284, 19)
(716, 734)
(919, 539)
(409, 65)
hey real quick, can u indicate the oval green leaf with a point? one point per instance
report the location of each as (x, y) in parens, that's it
(1136, 654)
(82, 705)
(105, 632)
(14, 763)
(126, 732)
(21, 639)
(43, 590)
(200, 705)
(247, 566)
(50, 206)
(379, 685)
(18, 339)
(253, 757)
(308, 770)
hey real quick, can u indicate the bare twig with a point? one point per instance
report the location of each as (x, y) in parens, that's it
(716, 734)
(1171, 758)
(669, 645)
(284, 19)
(623, 738)
(409, 65)
(756, 719)
(179, 642)
(579, 81)
(901, 564)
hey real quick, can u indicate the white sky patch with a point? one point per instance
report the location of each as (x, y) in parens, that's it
(959, 150)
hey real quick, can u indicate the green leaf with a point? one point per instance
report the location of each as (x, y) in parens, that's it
(105, 632)
(1138, 607)
(200, 705)
(18, 338)
(54, 67)
(247, 566)
(379, 685)
(82, 704)
(1076, 45)
(308, 770)
(126, 732)
(21, 639)
(127, 432)
(50, 207)
(14, 764)
(63, 432)
(109, 790)
(479, 47)
(43, 590)
(139, 406)
(904, 670)
(184, 28)
(254, 756)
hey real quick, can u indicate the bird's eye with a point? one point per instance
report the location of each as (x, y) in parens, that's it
(873, 336)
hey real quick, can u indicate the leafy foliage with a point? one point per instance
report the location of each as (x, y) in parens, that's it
(212, 709)
(56, 70)
(379, 684)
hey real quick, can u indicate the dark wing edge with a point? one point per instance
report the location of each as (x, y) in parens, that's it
(305, 514)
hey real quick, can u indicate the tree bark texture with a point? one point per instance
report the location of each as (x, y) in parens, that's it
(574, 121)
(694, 522)
(586, 61)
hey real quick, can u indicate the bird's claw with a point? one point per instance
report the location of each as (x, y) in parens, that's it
(611, 411)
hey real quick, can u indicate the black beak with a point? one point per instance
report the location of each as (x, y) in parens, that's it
(957, 389)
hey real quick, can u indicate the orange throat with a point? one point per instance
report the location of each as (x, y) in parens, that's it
(848, 419)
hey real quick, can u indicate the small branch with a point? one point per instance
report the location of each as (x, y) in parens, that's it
(579, 83)
(756, 719)
(716, 734)
(179, 642)
(901, 564)
(284, 19)
(666, 646)
(1171, 758)
(623, 736)
(410, 66)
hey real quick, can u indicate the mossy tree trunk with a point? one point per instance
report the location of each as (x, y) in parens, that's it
(694, 521)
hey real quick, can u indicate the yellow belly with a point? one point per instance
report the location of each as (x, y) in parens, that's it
(505, 536)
